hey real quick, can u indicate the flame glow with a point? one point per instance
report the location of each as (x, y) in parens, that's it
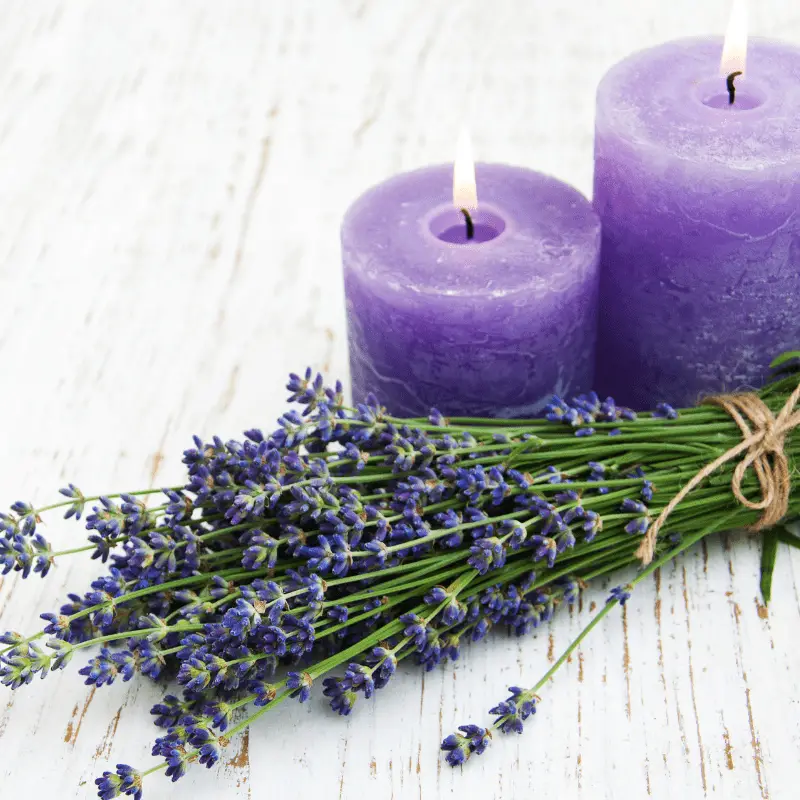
(734, 51)
(465, 191)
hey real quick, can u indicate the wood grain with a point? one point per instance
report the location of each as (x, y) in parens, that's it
(173, 177)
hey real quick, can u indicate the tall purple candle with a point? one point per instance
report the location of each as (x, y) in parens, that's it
(490, 326)
(699, 200)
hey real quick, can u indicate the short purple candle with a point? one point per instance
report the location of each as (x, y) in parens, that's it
(700, 202)
(490, 326)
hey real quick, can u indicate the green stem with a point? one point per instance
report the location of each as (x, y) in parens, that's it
(685, 544)
(575, 643)
(137, 634)
(109, 496)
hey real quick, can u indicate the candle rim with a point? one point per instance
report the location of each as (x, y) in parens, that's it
(536, 247)
(745, 141)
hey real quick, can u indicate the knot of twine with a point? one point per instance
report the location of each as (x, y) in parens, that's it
(763, 438)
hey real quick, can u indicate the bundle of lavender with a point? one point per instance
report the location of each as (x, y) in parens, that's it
(348, 541)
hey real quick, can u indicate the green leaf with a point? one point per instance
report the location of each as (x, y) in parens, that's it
(783, 535)
(783, 358)
(769, 551)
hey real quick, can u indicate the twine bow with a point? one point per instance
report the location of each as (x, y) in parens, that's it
(763, 438)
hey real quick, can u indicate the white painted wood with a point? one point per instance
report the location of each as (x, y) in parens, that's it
(172, 176)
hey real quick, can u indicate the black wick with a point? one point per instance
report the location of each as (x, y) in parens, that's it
(731, 88)
(470, 224)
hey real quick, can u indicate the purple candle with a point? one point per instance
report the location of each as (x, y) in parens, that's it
(699, 199)
(485, 326)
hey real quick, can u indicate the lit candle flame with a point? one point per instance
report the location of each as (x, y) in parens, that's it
(734, 51)
(465, 192)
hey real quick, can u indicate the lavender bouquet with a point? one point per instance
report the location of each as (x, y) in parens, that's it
(348, 541)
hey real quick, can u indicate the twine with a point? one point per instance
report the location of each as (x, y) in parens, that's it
(763, 438)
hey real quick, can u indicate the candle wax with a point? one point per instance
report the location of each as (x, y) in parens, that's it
(700, 202)
(489, 326)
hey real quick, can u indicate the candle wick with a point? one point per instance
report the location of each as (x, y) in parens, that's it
(731, 88)
(470, 224)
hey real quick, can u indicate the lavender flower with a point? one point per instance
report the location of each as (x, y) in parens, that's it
(665, 411)
(514, 710)
(470, 740)
(126, 781)
(300, 683)
(621, 594)
(76, 508)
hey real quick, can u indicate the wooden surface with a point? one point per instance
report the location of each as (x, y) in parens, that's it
(172, 176)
